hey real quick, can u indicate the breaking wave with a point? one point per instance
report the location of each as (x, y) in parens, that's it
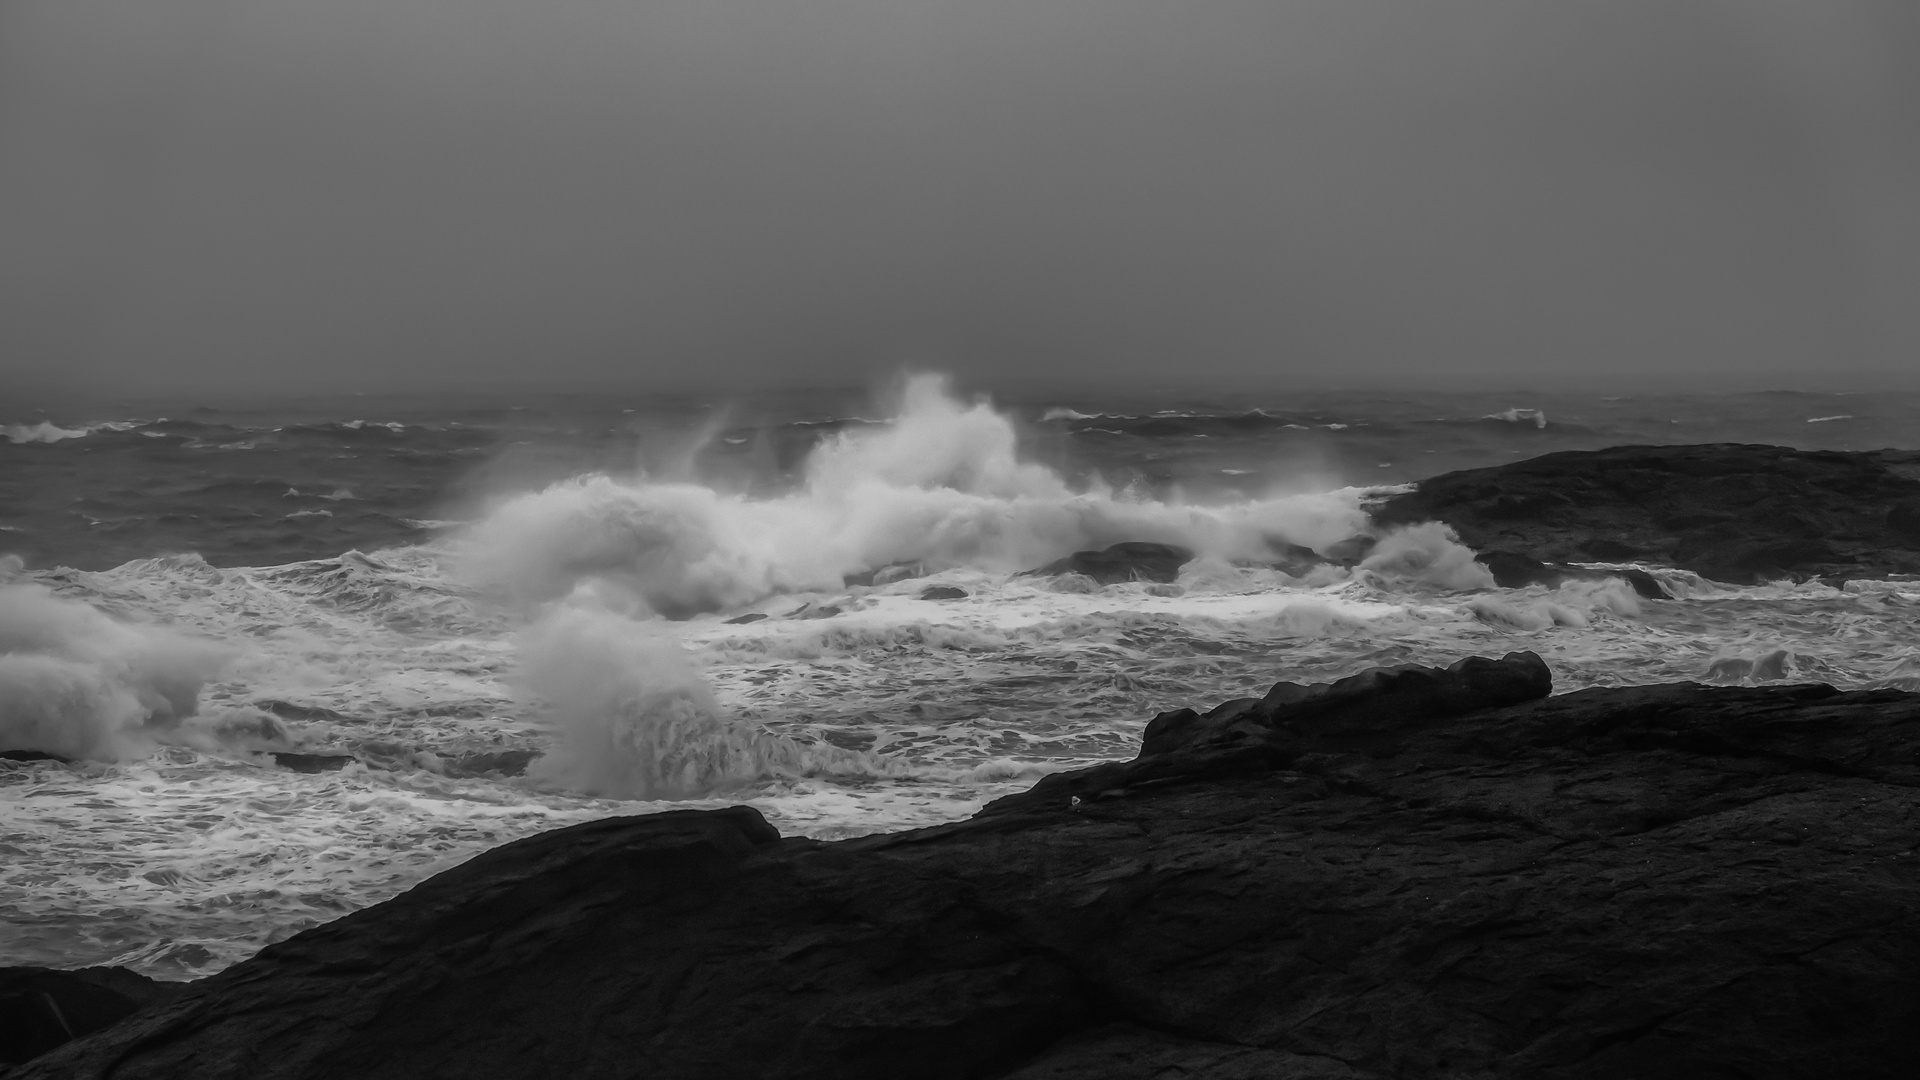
(636, 721)
(77, 683)
(942, 484)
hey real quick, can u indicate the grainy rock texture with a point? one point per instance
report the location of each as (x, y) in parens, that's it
(1134, 560)
(1413, 874)
(41, 1008)
(1729, 512)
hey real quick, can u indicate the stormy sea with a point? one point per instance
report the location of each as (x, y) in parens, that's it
(265, 664)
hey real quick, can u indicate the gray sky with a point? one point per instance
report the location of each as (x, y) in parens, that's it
(372, 194)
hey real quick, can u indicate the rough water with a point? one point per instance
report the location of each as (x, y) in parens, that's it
(512, 617)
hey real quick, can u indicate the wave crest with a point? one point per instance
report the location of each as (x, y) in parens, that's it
(941, 484)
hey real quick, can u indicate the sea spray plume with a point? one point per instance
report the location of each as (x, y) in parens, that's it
(1428, 552)
(935, 441)
(635, 719)
(678, 548)
(80, 684)
(941, 484)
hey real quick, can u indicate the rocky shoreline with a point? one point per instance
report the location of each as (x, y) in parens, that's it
(1732, 513)
(1409, 873)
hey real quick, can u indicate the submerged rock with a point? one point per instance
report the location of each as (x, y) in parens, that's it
(943, 592)
(1734, 513)
(311, 763)
(1410, 873)
(1134, 560)
(1512, 570)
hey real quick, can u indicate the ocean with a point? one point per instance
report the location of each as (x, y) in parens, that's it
(294, 657)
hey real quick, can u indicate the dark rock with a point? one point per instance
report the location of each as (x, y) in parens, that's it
(1734, 513)
(1904, 520)
(1389, 696)
(41, 1008)
(942, 592)
(1336, 881)
(287, 710)
(31, 755)
(311, 763)
(886, 575)
(1133, 560)
(1645, 584)
(494, 762)
(1350, 551)
(749, 617)
(1295, 560)
(1512, 570)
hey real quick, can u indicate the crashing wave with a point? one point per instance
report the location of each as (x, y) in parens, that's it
(941, 484)
(78, 683)
(635, 720)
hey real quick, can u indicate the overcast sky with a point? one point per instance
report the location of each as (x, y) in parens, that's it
(371, 194)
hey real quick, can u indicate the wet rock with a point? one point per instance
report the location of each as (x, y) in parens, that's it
(1133, 560)
(1295, 560)
(287, 710)
(1645, 584)
(886, 575)
(1512, 570)
(491, 762)
(1389, 876)
(942, 592)
(1388, 696)
(1351, 551)
(1904, 520)
(311, 763)
(41, 1008)
(1733, 513)
(31, 755)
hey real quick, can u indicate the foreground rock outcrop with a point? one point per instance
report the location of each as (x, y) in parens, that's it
(41, 1008)
(1412, 873)
(1133, 560)
(1733, 513)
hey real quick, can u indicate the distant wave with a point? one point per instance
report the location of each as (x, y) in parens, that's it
(1828, 419)
(1517, 422)
(48, 432)
(1174, 423)
(43, 432)
(1536, 417)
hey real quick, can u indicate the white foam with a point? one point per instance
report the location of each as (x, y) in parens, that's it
(43, 432)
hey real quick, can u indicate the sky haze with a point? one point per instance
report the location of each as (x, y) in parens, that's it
(403, 194)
